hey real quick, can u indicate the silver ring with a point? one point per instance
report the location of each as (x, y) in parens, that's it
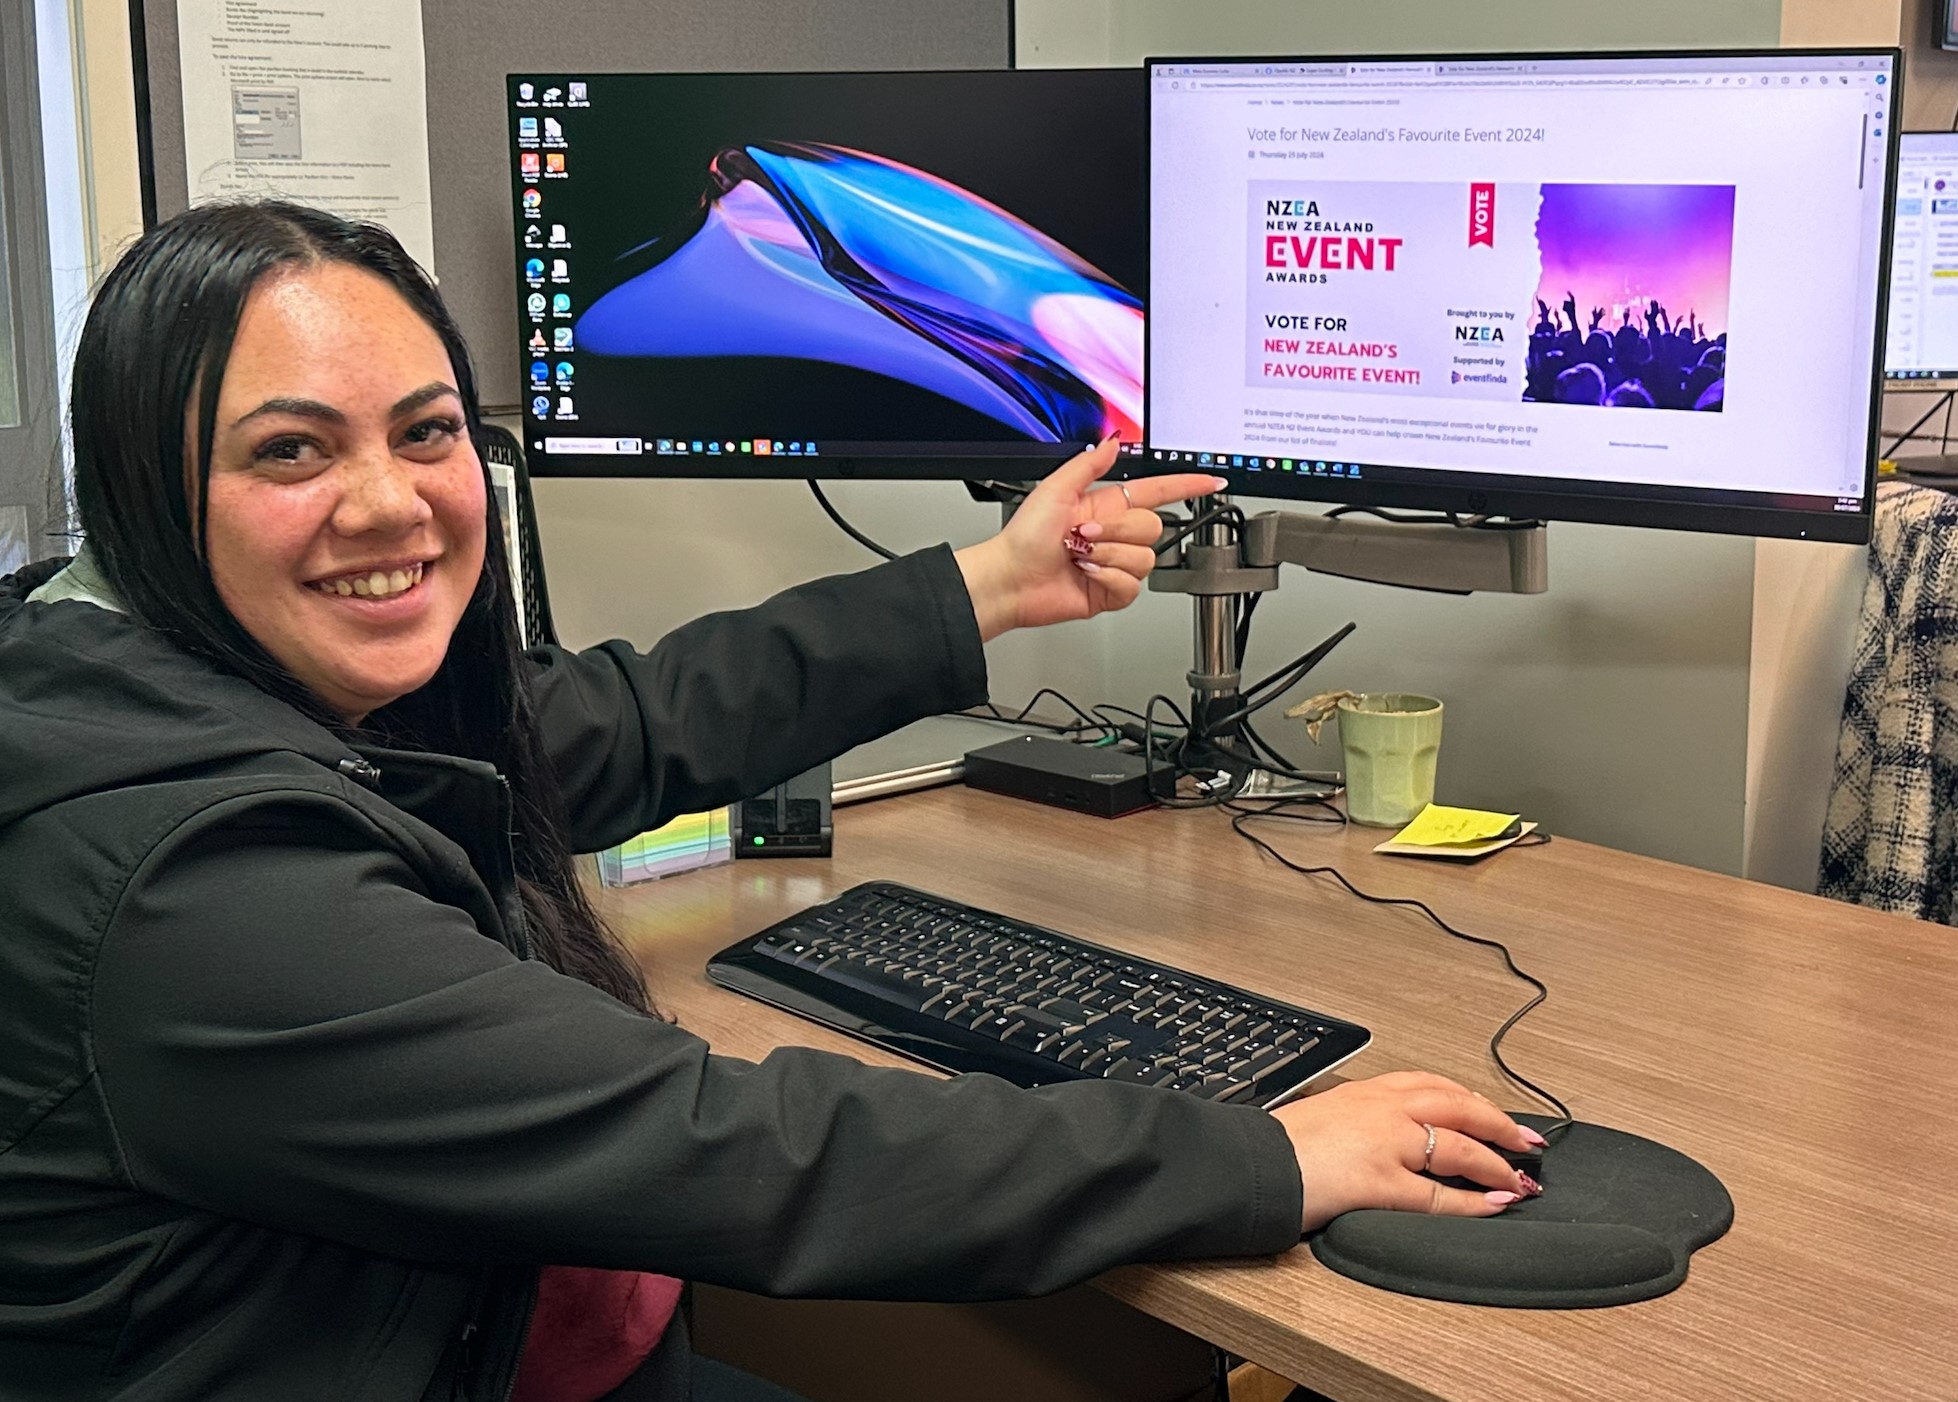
(1125, 495)
(1428, 1154)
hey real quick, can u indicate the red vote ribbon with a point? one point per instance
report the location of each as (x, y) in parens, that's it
(1482, 215)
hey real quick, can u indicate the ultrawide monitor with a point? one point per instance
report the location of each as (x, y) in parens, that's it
(1640, 289)
(1922, 341)
(876, 274)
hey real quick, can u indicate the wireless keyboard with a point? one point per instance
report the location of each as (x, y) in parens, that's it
(966, 989)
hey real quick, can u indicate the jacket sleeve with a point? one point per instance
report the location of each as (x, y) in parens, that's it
(733, 703)
(288, 1032)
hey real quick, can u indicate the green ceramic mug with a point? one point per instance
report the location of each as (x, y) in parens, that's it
(1391, 740)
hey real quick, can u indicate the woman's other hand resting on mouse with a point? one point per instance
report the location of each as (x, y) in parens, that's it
(1365, 1144)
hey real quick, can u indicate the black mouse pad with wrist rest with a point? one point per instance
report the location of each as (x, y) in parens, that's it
(1618, 1221)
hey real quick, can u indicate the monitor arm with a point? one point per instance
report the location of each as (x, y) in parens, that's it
(1218, 562)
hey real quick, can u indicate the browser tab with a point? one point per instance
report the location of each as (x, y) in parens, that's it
(1390, 70)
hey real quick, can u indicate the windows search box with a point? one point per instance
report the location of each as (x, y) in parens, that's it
(596, 447)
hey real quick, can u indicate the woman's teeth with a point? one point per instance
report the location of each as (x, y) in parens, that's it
(376, 584)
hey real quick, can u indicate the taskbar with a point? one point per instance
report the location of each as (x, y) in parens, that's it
(1680, 506)
(589, 445)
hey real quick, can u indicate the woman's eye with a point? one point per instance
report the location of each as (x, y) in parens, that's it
(287, 450)
(434, 430)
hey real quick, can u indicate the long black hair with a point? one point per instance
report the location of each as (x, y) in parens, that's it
(148, 370)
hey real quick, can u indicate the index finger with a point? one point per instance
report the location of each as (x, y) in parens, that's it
(1148, 493)
(1466, 1113)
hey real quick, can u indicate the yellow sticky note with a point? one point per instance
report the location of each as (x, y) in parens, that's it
(1437, 826)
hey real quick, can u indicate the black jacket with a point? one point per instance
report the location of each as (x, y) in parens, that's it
(285, 1113)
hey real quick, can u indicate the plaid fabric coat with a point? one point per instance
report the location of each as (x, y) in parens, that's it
(1891, 838)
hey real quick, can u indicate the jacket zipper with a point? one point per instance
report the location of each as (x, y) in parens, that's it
(523, 1337)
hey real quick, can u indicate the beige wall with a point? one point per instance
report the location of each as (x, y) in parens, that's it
(107, 106)
(1819, 22)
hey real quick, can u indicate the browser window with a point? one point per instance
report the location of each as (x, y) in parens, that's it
(1642, 278)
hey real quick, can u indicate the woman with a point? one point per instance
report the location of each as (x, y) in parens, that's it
(316, 1059)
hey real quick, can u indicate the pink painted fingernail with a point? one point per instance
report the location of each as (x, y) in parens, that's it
(1532, 1138)
(1530, 1185)
(1087, 566)
(1076, 542)
(1090, 530)
(1501, 1199)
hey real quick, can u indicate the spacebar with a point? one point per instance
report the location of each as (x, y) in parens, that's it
(888, 987)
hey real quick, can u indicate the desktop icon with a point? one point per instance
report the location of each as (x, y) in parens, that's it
(533, 269)
(529, 163)
(698, 446)
(665, 445)
(553, 129)
(553, 96)
(714, 449)
(540, 406)
(558, 238)
(532, 201)
(809, 448)
(540, 372)
(561, 338)
(536, 303)
(761, 447)
(1319, 469)
(537, 341)
(554, 162)
(747, 445)
(579, 92)
(728, 446)
(560, 270)
(564, 372)
(532, 237)
(526, 128)
(564, 409)
(1237, 460)
(526, 92)
(1286, 463)
(778, 445)
(795, 448)
(561, 304)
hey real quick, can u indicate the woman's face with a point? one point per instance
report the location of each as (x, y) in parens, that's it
(346, 506)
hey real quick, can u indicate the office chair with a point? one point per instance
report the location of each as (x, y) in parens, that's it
(500, 448)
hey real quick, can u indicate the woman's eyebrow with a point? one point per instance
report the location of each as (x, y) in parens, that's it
(326, 413)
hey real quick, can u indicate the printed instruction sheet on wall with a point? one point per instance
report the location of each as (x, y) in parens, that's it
(324, 104)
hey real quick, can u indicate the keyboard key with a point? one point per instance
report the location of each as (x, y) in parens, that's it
(888, 986)
(1140, 1073)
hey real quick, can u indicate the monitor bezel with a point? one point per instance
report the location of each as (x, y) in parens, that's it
(1915, 379)
(1014, 463)
(1535, 498)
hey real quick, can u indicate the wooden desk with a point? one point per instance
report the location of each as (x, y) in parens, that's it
(1804, 1051)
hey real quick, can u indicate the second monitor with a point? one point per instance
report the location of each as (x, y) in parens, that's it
(894, 274)
(1641, 289)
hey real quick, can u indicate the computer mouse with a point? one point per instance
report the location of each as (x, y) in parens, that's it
(1529, 1160)
(1526, 1161)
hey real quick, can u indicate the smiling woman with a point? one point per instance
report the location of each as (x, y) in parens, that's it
(319, 1077)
